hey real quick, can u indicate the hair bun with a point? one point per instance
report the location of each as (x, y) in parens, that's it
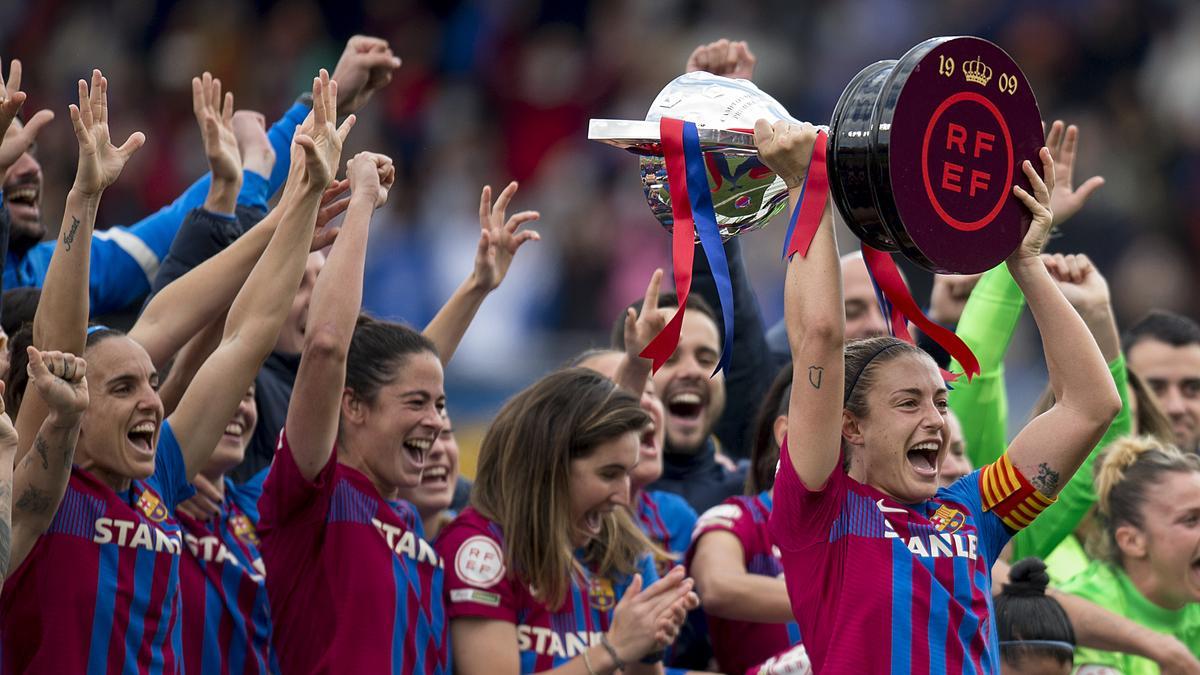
(1028, 578)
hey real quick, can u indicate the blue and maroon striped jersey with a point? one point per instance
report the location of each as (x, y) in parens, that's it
(478, 585)
(226, 617)
(99, 592)
(878, 586)
(667, 519)
(353, 585)
(738, 646)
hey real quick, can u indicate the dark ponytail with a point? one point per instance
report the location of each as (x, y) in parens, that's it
(377, 350)
(1029, 623)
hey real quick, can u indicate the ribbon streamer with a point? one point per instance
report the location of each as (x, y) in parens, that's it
(710, 235)
(806, 218)
(886, 276)
(692, 213)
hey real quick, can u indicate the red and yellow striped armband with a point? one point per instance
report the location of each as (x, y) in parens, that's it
(1010, 495)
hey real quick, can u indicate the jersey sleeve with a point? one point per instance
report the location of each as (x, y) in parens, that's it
(1006, 500)
(170, 474)
(726, 517)
(477, 584)
(289, 497)
(987, 324)
(280, 134)
(1079, 494)
(801, 517)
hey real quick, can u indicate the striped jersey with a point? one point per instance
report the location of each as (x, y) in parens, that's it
(878, 586)
(478, 586)
(353, 585)
(740, 645)
(667, 519)
(99, 591)
(226, 617)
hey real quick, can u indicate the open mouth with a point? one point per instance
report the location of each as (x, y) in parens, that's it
(141, 436)
(592, 522)
(923, 457)
(416, 448)
(23, 198)
(647, 439)
(686, 406)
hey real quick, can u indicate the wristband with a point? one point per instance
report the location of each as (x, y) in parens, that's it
(612, 651)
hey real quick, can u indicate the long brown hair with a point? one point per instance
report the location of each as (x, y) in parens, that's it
(523, 479)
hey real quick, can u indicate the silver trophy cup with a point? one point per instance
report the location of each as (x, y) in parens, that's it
(745, 193)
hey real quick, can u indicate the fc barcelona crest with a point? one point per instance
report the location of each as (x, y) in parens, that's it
(243, 529)
(601, 595)
(152, 506)
(948, 520)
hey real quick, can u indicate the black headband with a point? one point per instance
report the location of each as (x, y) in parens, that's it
(865, 365)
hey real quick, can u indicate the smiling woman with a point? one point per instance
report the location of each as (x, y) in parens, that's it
(547, 537)
(874, 551)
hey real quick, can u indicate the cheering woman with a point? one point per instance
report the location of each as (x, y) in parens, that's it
(885, 571)
(546, 570)
(99, 590)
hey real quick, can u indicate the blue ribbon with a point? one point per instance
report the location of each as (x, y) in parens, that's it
(709, 233)
(787, 238)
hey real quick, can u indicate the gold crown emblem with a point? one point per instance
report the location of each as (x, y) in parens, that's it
(977, 71)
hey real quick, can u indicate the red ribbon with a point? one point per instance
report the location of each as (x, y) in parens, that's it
(887, 276)
(683, 240)
(812, 202)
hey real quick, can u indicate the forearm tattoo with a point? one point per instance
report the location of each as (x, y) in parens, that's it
(815, 374)
(5, 527)
(1046, 480)
(69, 236)
(34, 501)
(43, 449)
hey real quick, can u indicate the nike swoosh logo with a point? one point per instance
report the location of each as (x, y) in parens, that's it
(889, 509)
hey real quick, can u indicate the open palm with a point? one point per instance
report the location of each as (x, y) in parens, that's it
(100, 162)
(319, 138)
(498, 237)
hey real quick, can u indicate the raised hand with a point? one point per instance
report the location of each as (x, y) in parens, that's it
(949, 296)
(365, 66)
(8, 431)
(100, 162)
(498, 237)
(60, 380)
(16, 139)
(1067, 199)
(215, 118)
(319, 139)
(1039, 205)
(723, 57)
(786, 148)
(1081, 283)
(371, 174)
(641, 328)
(250, 129)
(333, 204)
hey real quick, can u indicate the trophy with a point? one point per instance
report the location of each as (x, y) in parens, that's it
(922, 152)
(920, 157)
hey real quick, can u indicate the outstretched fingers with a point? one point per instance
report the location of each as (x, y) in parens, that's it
(131, 145)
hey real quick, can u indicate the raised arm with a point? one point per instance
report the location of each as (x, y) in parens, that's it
(60, 323)
(263, 303)
(814, 315)
(214, 114)
(17, 140)
(1050, 448)
(312, 418)
(40, 479)
(1085, 288)
(498, 243)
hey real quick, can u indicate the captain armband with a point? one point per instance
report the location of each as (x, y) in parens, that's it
(1010, 495)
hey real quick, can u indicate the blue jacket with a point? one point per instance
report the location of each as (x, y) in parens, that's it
(126, 258)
